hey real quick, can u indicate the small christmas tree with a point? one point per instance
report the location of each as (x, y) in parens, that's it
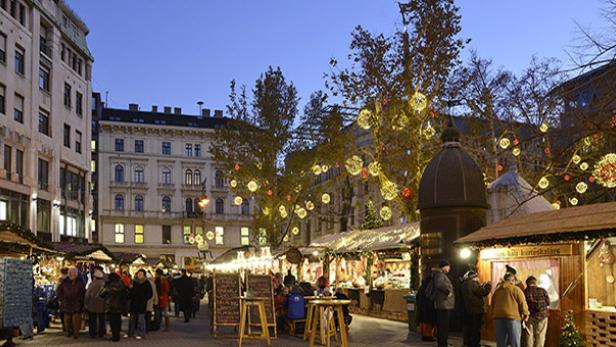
(372, 219)
(570, 336)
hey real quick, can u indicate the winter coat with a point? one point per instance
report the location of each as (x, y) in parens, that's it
(509, 302)
(185, 289)
(163, 290)
(115, 295)
(443, 288)
(154, 299)
(473, 296)
(70, 294)
(92, 302)
(139, 295)
(425, 307)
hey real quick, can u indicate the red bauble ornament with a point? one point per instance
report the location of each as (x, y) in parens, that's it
(566, 178)
(516, 142)
(547, 150)
(591, 179)
(270, 192)
(613, 122)
(558, 202)
(289, 197)
(385, 100)
(364, 173)
(338, 164)
(499, 168)
(237, 167)
(407, 192)
(433, 114)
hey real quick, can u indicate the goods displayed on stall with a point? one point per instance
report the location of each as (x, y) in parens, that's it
(260, 286)
(225, 301)
(16, 292)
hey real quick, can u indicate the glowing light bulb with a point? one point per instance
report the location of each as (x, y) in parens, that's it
(544, 182)
(504, 143)
(252, 186)
(418, 102)
(543, 127)
(516, 151)
(581, 187)
(385, 213)
(238, 200)
(354, 165)
(374, 168)
(326, 198)
(316, 170)
(233, 183)
(364, 119)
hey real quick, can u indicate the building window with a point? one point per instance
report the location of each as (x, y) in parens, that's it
(68, 225)
(43, 123)
(67, 135)
(220, 235)
(2, 99)
(18, 115)
(43, 174)
(138, 146)
(119, 233)
(93, 167)
(77, 141)
(43, 216)
(189, 206)
(188, 177)
(119, 145)
(197, 150)
(44, 78)
(19, 165)
(186, 231)
(139, 233)
(63, 52)
(166, 176)
(20, 61)
(166, 148)
(166, 234)
(93, 145)
(245, 207)
(8, 158)
(3, 210)
(138, 203)
(22, 14)
(67, 95)
(79, 103)
(43, 46)
(220, 206)
(138, 174)
(189, 150)
(166, 204)
(119, 173)
(245, 236)
(2, 48)
(119, 202)
(219, 179)
(197, 177)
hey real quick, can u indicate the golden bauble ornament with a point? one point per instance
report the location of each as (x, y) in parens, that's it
(326, 198)
(418, 102)
(389, 190)
(233, 183)
(309, 205)
(238, 200)
(504, 143)
(365, 119)
(316, 170)
(385, 213)
(581, 187)
(252, 186)
(374, 168)
(544, 182)
(543, 127)
(295, 231)
(354, 165)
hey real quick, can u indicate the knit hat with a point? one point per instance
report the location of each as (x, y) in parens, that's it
(510, 269)
(443, 263)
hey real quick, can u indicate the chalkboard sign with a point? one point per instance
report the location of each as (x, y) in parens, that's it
(226, 307)
(260, 286)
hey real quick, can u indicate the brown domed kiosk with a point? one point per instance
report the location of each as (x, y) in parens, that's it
(452, 202)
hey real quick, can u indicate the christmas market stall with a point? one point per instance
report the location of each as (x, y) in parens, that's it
(570, 251)
(132, 262)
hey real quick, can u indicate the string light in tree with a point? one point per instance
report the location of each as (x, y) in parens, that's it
(504, 143)
(283, 212)
(556, 205)
(266, 211)
(573, 201)
(295, 230)
(326, 198)
(252, 186)
(584, 166)
(324, 168)
(516, 151)
(238, 200)
(543, 127)
(374, 168)
(385, 213)
(309, 205)
(354, 165)
(605, 171)
(285, 238)
(233, 183)
(389, 190)
(581, 187)
(365, 119)
(418, 102)
(429, 131)
(210, 235)
(301, 213)
(544, 182)
(576, 159)
(316, 169)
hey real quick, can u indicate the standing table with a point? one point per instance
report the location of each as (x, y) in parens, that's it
(319, 308)
(245, 304)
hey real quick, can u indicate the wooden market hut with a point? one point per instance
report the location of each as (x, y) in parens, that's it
(84, 251)
(571, 252)
(16, 241)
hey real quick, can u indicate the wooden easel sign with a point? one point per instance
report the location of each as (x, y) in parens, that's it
(261, 287)
(225, 302)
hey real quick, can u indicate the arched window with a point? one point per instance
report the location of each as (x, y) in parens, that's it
(138, 174)
(119, 173)
(166, 176)
(166, 203)
(138, 203)
(219, 179)
(245, 208)
(119, 202)
(220, 206)
(189, 205)
(197, 177)
(188, 177)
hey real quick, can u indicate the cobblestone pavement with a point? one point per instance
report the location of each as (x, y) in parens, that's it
(364, 332)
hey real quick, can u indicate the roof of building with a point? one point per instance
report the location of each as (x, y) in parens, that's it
(161, 118)
(21, 240)
(586, 77)
(572, 223)
(391, 237)
(87, 250)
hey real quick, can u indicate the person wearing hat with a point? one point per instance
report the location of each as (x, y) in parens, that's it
(538, 302)
(444, 301)
(95, 305)
(473, 296)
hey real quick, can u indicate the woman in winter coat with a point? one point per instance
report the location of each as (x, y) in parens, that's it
(95, 305)
(150, 306)
(426, 314)
(70, 294)
(163, 290)
(139, 295)
(115, 295)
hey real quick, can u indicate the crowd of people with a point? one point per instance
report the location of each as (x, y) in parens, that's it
(519, 312)
(145, 298)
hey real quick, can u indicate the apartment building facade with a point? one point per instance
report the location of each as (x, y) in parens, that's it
(45, 88)
(153, 172)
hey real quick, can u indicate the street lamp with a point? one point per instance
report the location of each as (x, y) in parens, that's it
(203, 201)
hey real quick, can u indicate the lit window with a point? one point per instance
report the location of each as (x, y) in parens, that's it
(186, 231)
(93, 165)
(3, 207)
(138, 233)
(188, 177)
(220, 235)
(93, 145)
(119, 233)
(93, 224)
(245, 236)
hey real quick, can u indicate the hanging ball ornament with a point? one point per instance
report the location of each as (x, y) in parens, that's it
(354, 165)
(407, 192)
(605, 171)
(581, 187)
(266, 211)
(556, 205)
(573, 201)
(364, 173)
(374, 168)
(429, 131)
(504, 143)
(385, 213)
(301, 213)
(544, 182)
(238, 200)
(233, 183)
(285, 238)
(584, 166)
(309, 205)
(389, 190)
(316, 169)
(237, 167)
(516, 151)
(418, 102)
(252, 186)
(543, 127)
(270, 192)
(365, 119)
(326, 198)
(576, 159)
(295, 231)
(324, 168)
(210, 235)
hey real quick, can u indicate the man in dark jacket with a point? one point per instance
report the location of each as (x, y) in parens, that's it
(115, 295)
(95, 305)
(70, 294)
(444, 301)
(185, 289)
(139, 295)
(473, 297)
(426, 313)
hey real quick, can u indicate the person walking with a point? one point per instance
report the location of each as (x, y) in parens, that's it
(444, 301)
(473, 297)
(426, 313)
(139, 294)
(509, 310)
(185, 289)
(71, 294)
(95, 305)
(63, 276)
(115, 295)
(152, 302)
(163, 291)
(538, 302)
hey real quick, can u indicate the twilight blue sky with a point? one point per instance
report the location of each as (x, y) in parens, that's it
(163, 52)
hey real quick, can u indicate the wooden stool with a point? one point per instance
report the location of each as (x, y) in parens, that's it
(245, 304)
(329, 329)
(292, 323)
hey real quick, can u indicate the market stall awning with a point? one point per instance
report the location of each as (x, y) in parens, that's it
(15, 239)
(572, 223)
(399, 236)
(86, 251)
(231, 254)
(130, 258)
